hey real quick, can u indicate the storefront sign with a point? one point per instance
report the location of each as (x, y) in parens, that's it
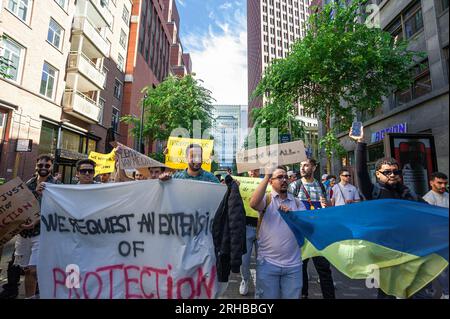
(397, 128)
(24, 145)
(70, 154)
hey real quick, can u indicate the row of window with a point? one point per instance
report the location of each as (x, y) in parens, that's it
(14, 54)
(290, 3)
(55, 34)
(153, 44)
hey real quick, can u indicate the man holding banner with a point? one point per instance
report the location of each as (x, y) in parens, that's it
(194, 156)
(27, 243)
(279, 262)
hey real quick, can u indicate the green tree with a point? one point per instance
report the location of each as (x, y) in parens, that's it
(174, 103)
(279, 114)
(341, 67)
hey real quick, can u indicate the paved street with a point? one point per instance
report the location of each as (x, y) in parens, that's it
(345, 287)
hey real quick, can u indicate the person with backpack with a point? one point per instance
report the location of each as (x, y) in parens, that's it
(279, 261)
(389, 185)
(313, 195)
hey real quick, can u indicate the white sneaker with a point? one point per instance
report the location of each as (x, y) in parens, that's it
(243, 289)
(444, 296)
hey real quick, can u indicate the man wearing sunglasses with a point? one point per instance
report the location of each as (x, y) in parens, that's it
(27, 243)
(344, 193)
(279, 261)
(85, 171)
(389, 184)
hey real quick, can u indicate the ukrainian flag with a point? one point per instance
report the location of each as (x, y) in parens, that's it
(402, 245)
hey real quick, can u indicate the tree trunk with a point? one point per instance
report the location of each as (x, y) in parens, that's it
(328, 128)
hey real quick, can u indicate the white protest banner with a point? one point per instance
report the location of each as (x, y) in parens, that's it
(146, 239)
(270, 156)
(129, 158)
(17, 206)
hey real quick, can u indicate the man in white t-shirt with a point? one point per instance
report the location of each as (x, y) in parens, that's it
(344, 193)
(438, 196)
(279, 261)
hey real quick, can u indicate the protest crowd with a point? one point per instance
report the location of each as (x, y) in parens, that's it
(243, 226)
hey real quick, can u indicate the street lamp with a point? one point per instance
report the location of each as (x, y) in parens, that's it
(141, 128)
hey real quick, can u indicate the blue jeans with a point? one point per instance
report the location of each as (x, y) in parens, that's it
(251, 240)
(273, 282)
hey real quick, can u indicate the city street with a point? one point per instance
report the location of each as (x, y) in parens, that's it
(345, 287)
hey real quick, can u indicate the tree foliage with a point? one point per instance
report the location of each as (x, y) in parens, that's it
(279, 114)
(339, 68)
(174, 103)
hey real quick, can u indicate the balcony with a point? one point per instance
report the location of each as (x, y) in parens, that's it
(82, 25)
(79, 105)
(96, 11)
(79, 63)
(103, 10)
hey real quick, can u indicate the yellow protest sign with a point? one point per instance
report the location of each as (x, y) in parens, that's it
(176, 155)
(105, 163)
(247, 187)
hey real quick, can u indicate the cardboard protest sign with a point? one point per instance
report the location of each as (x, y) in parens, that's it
(105, 163)
(17, 206)
(247, 186)
(176, 155)
(270, 156)
(129, 158)
(142, 239)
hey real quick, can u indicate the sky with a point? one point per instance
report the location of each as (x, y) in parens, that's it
(214, 32)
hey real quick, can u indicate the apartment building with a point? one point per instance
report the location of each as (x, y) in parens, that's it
(50, 100)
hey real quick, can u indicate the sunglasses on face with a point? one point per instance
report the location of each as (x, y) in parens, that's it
(346, 175)
(42, 165)
(394, 172)
(87, 171)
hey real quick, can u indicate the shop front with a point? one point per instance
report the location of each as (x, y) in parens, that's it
(415, 152)
(68, 146)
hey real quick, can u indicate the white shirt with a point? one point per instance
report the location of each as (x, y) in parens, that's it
(277, 243)
(342, 193)
(437, 199)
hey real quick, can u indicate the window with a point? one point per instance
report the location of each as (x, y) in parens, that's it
(12, 54)
(413, 20)
(54, 34)
(117, 89)
(444, 5)
(120, 62)
(101, 106)
(396, 30)
(20, 8)
(115, 119)
(123, 39)
(125, 15)
(48, 139)
(48, 81)
(61, 3)
(421, 84)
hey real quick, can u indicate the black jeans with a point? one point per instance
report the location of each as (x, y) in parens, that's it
(323, 269)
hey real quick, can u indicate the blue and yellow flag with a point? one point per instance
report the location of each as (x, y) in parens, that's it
(405, 242)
